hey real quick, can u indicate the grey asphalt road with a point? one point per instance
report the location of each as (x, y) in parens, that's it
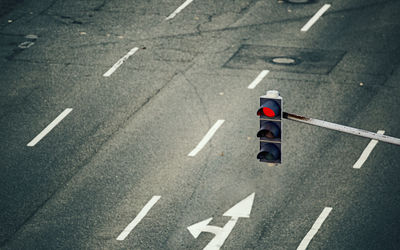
(128, 136)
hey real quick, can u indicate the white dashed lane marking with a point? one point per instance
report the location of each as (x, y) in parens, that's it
(49, 127)
(367, 151)
(138, 218)
(315, 17)
(120, 62)
(206, 138)
(179, 9)
(314, 229)
(258, 79)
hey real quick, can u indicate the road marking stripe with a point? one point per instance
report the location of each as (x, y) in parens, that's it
(49, 127)
(315, 17)
(139, 217)
(206, 138)
(179, 9)
(120, 62)
(258, 79)
(367, 151)
(314, 229)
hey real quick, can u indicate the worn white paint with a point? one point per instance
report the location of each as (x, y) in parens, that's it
(314, 229)
(258, 79)
(120, 62)
(206, 138)
(179, 9)
(317, 15)
(49, 127)
(367, 151)
(138, 218)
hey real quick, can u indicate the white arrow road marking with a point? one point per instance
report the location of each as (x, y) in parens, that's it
(203, 226)
(367, 151)
(315, 17)
(240, 210)
(314, 229)
(49, 127)
(120, 62)
(139, 217)
(179, 9)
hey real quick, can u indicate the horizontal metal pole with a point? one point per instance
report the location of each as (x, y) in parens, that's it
(341, 128)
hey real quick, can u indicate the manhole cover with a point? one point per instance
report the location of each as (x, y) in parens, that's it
(298, 1)
(284, 60)
(299, 60)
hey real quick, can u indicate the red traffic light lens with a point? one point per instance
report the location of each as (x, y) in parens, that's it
(268, 112)
(269, 109)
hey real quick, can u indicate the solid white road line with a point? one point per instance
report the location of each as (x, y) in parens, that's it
(206, 138)
(314, 229)
(367, 151)
(258, 79)
(179, 9)
(315, 17)
(120, 61)
(49, 127)
(139, 217)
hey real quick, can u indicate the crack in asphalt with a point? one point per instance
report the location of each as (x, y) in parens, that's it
(101, 6)
(89, 159)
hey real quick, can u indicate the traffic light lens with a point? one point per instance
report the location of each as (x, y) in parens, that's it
(270, 130)
(268, 112)
(269, 109)
(269, 152)
(269, 134)
(269, 156)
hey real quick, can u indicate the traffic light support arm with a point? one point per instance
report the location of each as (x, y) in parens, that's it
(342, 128)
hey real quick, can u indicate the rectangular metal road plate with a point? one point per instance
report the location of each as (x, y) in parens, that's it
(259, 57)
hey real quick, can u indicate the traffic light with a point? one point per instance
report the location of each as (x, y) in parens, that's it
(270, 135)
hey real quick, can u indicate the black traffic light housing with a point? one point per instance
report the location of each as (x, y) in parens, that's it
(270, 132)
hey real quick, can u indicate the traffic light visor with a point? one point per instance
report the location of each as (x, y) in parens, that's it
(270, 109)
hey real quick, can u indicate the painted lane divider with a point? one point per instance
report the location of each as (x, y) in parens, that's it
(206, 138)
(179, 9)
(367, 151)
(314, 229)
(258, 79)
(49, 127)
(138, 218)
(240, 210)
(120, 62)
(317, 15)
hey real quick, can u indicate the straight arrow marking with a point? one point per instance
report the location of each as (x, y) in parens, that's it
(219, 239)
(240, 210)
